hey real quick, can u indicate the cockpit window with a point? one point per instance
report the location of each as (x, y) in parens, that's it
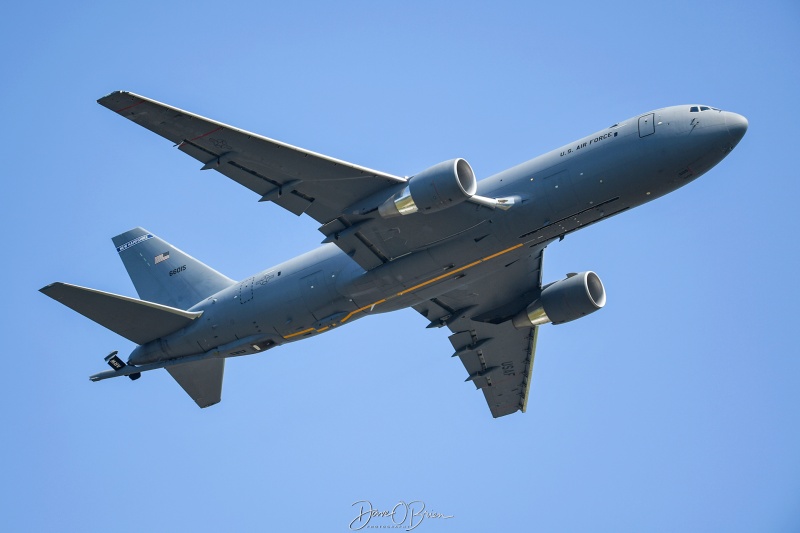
(696, 109)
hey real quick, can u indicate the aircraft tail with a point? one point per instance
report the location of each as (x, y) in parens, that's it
(142, 322)
(163, 273)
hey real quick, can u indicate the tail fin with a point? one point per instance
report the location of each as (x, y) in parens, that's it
(164, 274)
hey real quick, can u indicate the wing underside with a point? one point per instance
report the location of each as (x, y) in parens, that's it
(341, 196)
(497, 356)
(298, 180)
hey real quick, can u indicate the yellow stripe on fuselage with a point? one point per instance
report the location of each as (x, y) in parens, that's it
(407, 291)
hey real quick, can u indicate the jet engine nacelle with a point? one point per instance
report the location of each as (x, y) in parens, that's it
(574, 297)
(439, 187)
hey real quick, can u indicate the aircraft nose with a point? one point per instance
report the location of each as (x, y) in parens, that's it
(737, 126)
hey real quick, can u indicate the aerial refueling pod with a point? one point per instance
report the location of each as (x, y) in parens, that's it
(563, 301)
(439, 187)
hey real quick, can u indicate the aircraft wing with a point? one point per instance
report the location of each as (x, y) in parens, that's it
(497, 356)
(331, 191)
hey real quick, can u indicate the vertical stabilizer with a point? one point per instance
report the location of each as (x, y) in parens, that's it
(163, 273)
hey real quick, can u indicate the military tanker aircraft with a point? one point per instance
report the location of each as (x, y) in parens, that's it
(466, 255)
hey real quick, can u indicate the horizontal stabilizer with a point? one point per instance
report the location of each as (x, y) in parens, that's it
(136, 320)
(202, 380)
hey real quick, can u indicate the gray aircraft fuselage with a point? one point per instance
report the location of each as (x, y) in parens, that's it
(593, 178)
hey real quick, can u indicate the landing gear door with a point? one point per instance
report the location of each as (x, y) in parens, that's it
(647, 125)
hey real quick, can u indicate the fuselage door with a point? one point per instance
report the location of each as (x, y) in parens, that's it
(647, 125)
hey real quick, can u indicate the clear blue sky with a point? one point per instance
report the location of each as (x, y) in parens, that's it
(675, 408)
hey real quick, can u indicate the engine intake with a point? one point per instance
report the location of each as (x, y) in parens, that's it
(563, 301)
(437, 188)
